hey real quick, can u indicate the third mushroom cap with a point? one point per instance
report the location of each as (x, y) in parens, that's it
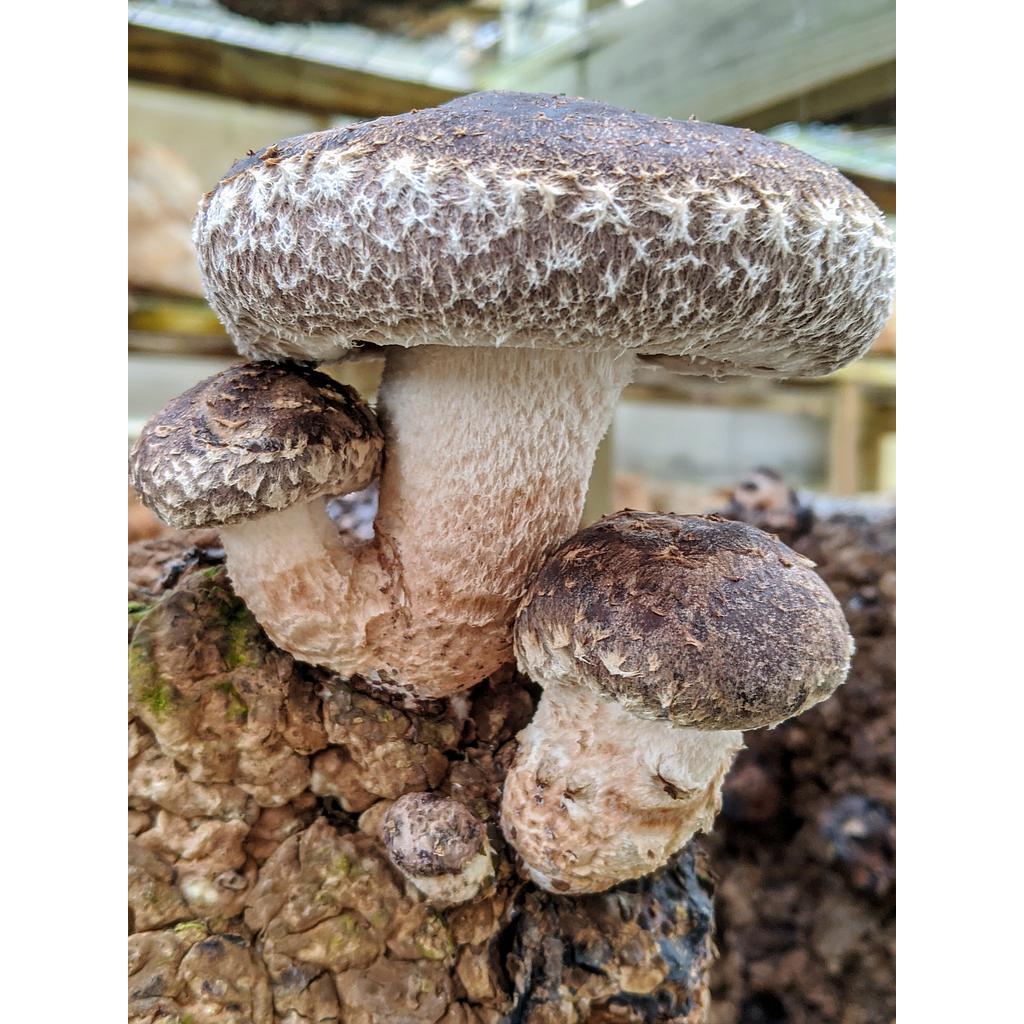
(656, 638)
(518, 255)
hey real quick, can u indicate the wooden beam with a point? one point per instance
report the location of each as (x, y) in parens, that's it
(845, 440)
(817, 405)
(841, 96)
(721, 61)
(226, 69)
(181, 346)
(166, 314)
(877, 372)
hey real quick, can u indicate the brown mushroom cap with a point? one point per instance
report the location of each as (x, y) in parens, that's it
(709, 623)
(543, 221)
(428, 835)
(254, 439)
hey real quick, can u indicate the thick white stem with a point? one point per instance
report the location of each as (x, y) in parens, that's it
(488, 453)
(597, 795)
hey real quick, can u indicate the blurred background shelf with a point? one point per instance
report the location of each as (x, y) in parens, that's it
(750, 62)
(208, 84)
(225, 67)
(189, 319)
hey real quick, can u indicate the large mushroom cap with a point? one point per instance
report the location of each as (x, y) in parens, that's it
(544, 221)
(705, 622)
(254, 439)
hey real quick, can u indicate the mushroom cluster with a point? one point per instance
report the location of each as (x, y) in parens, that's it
(396, 900)
(516, 256)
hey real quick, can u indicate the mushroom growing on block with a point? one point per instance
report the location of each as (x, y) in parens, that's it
(656, 639)
(256, 451)
(517, 255)
(439, 846)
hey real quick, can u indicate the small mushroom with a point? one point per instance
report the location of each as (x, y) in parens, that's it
(439, 846)
(656, 639)
(517, 256)
(257, 451)
(763, 499)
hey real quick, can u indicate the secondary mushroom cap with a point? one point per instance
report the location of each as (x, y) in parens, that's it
(708, 623)
(543, 221)
(427, 835)
(254, 439)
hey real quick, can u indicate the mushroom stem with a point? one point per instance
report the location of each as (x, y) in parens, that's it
(597, 795)
(656, 637)
(488, 454)
(300, 577)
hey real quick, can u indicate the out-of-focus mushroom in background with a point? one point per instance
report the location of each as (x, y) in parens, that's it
(763, 499)
(516, 255)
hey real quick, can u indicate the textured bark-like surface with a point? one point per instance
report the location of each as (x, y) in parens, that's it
(157, 561)
(804, 848)
(260, 886)
(636, 953)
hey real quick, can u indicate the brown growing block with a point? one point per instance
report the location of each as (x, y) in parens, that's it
(262, 887)
(804, 849)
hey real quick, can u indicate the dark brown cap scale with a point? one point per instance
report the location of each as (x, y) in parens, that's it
(708, 623)
(254, 439)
